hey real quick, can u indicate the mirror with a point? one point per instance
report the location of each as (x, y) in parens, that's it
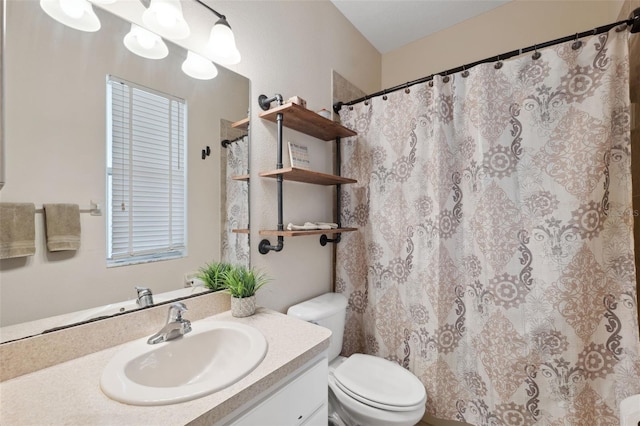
(55, 147)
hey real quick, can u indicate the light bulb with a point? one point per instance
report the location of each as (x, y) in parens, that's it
(146, 39)
(199, 67)
(222, 44)
(166, 16)
(144, 43)
(223, 38)
(73, 8)
(77, 14)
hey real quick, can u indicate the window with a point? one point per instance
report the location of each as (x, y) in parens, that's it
(146, 175)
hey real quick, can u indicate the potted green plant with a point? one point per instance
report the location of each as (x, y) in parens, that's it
(213, 275)
(242, 283)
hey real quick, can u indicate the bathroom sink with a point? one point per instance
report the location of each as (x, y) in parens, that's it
(213, 356)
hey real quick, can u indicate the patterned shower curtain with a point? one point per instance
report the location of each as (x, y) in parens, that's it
(494, 256)
(235, 246)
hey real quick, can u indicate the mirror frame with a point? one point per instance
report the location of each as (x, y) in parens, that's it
(2, 127)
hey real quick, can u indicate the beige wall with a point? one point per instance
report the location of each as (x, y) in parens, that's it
(520, 23)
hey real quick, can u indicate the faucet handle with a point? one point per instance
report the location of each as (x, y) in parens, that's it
(143, 291)
(175, 312)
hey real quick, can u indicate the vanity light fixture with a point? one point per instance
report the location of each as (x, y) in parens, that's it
(222, 43)
(199, 67)
(164, 17)
(161, 18)
(77, 14)
(221, 47)
(144, 43)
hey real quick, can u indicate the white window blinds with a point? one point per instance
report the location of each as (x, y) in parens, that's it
(146, 173)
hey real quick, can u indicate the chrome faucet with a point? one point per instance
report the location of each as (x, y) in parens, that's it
(175, 327)
(145, 297)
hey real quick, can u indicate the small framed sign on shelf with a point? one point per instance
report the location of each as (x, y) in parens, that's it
(299, 156)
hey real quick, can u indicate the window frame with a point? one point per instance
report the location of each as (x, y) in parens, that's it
(158, 255)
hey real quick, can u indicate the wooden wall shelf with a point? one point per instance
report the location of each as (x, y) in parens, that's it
(308, 122)
(240, 231)
(295, 117)
(307, 176)
(276, 233)
(241, 124)
(244, 178)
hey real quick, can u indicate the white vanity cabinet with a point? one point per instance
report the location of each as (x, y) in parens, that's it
(300, 399)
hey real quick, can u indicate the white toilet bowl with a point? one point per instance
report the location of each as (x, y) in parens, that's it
(371, 391)
(364, 390)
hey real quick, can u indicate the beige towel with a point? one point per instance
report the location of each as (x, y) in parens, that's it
(17, 230)
(63, 226)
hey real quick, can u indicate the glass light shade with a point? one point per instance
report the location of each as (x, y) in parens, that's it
(164, 17)
(198, 67)
(222, 44)
(144, 43)
(77, 14)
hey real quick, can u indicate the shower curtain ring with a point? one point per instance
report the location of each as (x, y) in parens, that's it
(577, 44)
(406, 88)
(366, 100)
(498, 64)
(384, 95)
(431, 80)
(536, 54)
(465, 73)
(446, 78)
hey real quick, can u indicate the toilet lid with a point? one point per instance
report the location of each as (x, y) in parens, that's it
(379, 382)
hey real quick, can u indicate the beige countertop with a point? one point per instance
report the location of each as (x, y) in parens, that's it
(69, 393)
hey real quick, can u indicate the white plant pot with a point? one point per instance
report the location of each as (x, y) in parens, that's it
(243, 307)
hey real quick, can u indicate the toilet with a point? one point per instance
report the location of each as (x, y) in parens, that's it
(364, 390)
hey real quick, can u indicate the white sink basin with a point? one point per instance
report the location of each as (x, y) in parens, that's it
(213, 356)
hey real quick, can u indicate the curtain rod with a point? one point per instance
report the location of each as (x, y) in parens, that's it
(633, 22)
(226, 142)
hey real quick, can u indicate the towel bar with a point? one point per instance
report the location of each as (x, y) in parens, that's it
(95, 209)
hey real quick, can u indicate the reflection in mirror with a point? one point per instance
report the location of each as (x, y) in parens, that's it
(55, 109)
(234, 165)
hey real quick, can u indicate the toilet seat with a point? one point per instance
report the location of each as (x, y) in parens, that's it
(379, 383)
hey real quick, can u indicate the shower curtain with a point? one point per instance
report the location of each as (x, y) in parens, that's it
(494, 256)
(235, 246)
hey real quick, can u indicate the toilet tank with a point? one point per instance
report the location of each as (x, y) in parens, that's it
(329, 311)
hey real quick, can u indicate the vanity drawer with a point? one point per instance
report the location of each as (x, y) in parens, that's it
(319, 417)
(295, 403)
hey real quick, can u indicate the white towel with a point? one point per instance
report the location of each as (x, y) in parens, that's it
(327, 225)
(308, 226)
